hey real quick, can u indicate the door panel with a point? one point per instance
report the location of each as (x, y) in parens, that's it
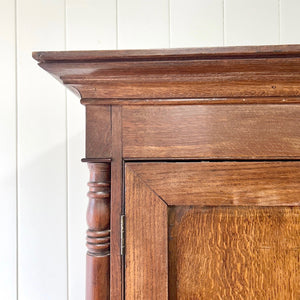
(215, 230)
(146, 264)
(234, 252)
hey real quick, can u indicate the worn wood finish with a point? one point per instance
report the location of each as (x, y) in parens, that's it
(235, 104)
(282, 51)
(234, 252)
(146, 274)
(98, 132)
(98, 234)
(116, 267)
(195, 101)
(248, 250)
(223, 183)
(178, 73)
(183, 86)
(223, 131)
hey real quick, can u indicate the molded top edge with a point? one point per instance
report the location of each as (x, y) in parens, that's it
(169, 54)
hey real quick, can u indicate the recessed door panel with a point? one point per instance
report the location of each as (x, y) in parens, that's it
(234, 252)
(214, 230)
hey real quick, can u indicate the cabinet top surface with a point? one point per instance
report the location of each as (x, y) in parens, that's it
(170, 54)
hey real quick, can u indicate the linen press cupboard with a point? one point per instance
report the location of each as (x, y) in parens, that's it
(194, 187)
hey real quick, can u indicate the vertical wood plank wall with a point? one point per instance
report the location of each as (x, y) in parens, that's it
(95, 30)
(8, 173)
(42, 181)
(42, 190)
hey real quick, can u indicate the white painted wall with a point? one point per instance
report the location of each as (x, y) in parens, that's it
(42, 181)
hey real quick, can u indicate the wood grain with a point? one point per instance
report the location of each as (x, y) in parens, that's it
(98, 283)
(108, 82)
(193, 101)
(98, 233)
(146, 273)
(181, 79)
(223, 183)
(169, 54)
(223, 131)
(178, 73)
(234, 253)
(116, 275)
(98, 132)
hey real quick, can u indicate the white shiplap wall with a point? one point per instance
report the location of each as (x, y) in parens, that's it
(96, 30)
(8, 143)
(42, 181)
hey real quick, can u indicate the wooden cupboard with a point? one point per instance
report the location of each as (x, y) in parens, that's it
(194, 186)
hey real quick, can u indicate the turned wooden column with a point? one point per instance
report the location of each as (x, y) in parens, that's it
(233, 105)
(98, 233)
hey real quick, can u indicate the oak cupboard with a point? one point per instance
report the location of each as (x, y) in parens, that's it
(194, 159)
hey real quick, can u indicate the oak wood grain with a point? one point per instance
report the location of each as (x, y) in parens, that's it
(223, 183)
(146, 273)
(98, 132)
(234, 253)
(233, 103)
(177, 73)
(245, 248)
(223, 131)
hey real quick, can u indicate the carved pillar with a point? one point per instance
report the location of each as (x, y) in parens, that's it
(98, 234)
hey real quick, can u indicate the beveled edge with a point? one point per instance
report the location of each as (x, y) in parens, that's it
(265, 51)
(113, 77)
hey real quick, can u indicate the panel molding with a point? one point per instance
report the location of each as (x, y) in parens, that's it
(262, 71)
(222, 183)
(146, 232)
(152, 188)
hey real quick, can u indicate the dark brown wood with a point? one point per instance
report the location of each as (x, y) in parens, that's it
(248, 250)
(96, 160)
(195, 101)
(223, 131)
(98, 234)
(229, 107)
(184, 86)
(116, 201)
(170, 54)
(223, 183)
(98, 132)
(146, 272)
(178, 74)
(234, 252)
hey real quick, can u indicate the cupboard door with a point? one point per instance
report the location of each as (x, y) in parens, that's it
(212, 230)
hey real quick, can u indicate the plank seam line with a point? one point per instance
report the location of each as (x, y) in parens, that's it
(16, 149)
